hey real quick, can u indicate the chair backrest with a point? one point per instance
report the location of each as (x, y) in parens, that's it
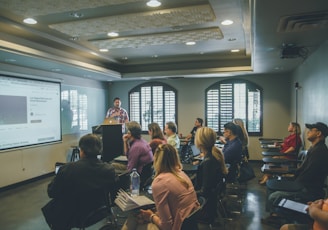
(100, 213)
(301, 155)
(146, 175)
(190, 223)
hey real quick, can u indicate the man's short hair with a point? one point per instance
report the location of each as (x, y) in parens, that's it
(171, 125)
(116, 98)
(91, 145)
(232, 127)
(200, 120)
(134, 128)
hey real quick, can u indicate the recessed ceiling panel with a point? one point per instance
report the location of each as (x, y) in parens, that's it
(168, 18)
(160, 39)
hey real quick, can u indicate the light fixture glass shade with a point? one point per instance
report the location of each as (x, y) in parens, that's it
(30, 21)
(154, 3)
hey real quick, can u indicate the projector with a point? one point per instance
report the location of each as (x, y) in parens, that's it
(291, 52)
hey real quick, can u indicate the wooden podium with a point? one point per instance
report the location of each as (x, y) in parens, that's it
(112, 141)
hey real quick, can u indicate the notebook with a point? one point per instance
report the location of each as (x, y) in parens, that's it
(126, 202)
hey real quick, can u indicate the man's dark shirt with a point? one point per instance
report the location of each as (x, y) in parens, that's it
(78, 188)
(314, 170)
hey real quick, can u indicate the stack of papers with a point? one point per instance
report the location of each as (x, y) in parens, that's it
(126, 202)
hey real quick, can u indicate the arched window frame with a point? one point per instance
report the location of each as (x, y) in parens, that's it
(153, 102)
(236, 98)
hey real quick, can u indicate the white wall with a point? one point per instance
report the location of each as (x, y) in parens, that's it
(312, 76)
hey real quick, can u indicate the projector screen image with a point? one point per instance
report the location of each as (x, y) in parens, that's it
(30, 112)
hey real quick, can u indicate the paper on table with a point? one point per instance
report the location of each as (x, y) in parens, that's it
(121, 158)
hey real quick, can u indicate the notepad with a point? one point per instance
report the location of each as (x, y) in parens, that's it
(126, 202)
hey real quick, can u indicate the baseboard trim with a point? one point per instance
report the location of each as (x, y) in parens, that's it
(16, 185)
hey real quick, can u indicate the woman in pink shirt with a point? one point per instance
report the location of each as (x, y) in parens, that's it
(173, 193)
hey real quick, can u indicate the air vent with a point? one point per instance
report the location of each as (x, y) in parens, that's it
(293, 51)
(303, 22)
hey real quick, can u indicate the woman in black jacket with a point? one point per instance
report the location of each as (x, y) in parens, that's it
(210, 173)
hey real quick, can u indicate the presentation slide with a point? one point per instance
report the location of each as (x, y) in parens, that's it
(30, 112)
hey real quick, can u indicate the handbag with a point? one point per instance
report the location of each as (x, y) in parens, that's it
(246, 171)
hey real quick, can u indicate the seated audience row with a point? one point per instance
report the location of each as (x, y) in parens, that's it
(311, 174)
(173, 191)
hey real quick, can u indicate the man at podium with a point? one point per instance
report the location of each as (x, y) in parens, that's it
(117, 113)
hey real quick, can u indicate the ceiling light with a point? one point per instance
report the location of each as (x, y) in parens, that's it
(75, 38)
(154, 3)
(103, 50)
(30, 21)
(76, 15)
(227, 22)
(234, 51)
(112, 34)
(190, 43)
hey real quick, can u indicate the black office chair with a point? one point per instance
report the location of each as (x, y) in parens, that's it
(190, 223)
(100, 213)
(220, 216)
(146, 176)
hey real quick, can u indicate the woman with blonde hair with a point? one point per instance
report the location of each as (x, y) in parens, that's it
(173, 193)
(211, 172)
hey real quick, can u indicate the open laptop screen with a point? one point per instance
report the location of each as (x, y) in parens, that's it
(195, 150)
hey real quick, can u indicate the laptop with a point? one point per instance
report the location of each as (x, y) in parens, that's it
(57, 166)
(195, 150)
(110, 121)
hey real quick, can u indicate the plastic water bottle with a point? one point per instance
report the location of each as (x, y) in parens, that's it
(135, 182)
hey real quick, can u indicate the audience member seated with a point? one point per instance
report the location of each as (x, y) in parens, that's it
(243, 136)
(210, 174)
(156, 135)
(318, 211)
(289, 147)
(191, 136)
(171, 133)
(173, 193)
(136, 149)
(185, 152)
(79, 187)
(311, 174)
(232, 150)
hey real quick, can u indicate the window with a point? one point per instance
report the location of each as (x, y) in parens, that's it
(153, 102)
(230, 99)
(77, 104)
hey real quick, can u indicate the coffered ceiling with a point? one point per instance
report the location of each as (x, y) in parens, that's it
(72, 37)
